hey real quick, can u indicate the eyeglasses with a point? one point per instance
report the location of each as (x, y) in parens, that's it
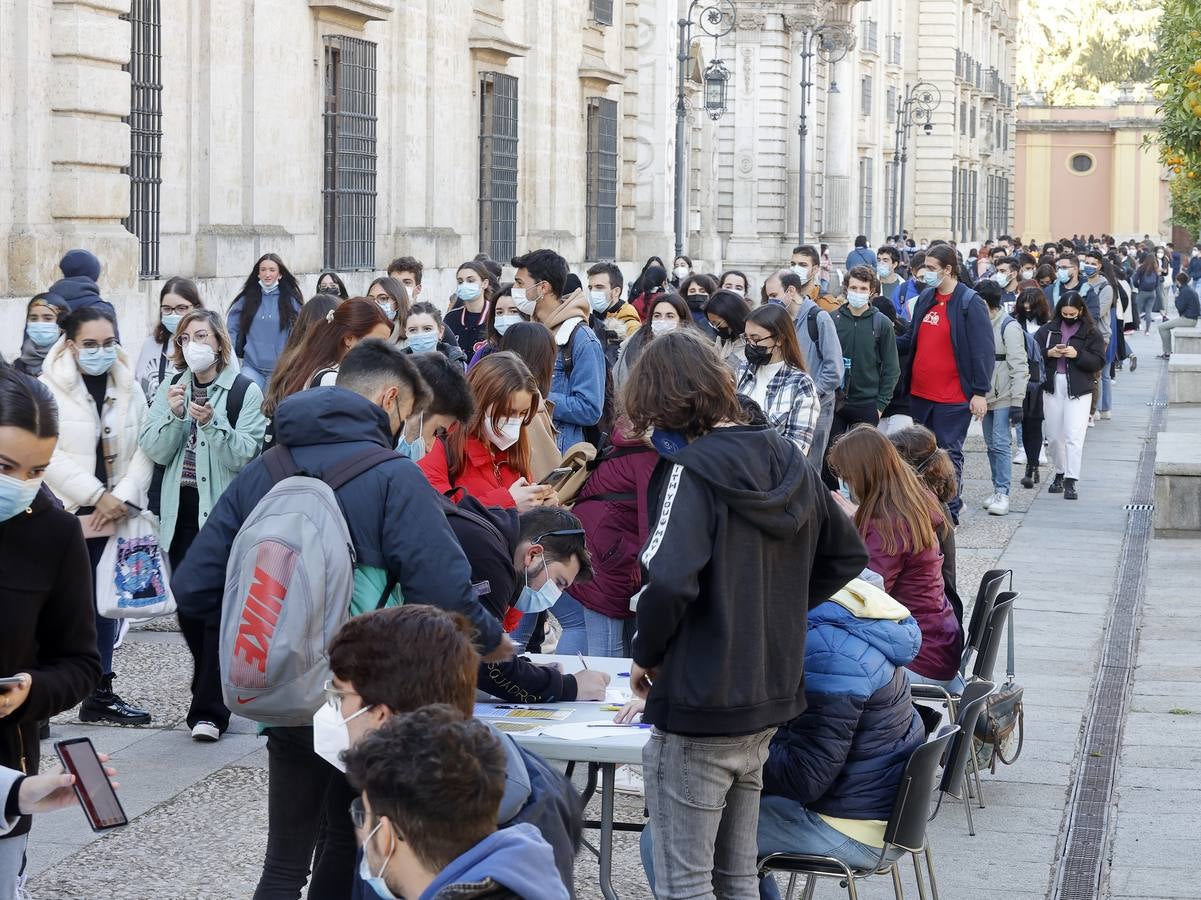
(182, 310)
(759, 341)
(96, 345)
(334, 695)
(200, 337)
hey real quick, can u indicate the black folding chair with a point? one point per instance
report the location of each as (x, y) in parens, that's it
(954, 771)
(905, 832)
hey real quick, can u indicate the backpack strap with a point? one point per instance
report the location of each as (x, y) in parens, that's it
(280, 464)
(162, 367)
(568, 353)
(348, 471)
(814, 333)
(237, 394)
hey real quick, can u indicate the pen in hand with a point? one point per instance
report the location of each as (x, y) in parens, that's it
(582, 663)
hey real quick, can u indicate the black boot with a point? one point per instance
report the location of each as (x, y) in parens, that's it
(1069, 489)
(106, 706)
(1056, 485)
(1031, 477)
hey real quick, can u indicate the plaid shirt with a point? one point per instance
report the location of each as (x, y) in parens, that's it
(792, 404)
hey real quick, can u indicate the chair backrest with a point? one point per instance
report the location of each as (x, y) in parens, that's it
(906, 826)
(990, 642)
(986, 596)
(975, 695)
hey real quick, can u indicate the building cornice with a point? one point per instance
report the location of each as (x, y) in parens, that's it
(1129, 124)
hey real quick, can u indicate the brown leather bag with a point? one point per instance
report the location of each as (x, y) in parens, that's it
(544, 452)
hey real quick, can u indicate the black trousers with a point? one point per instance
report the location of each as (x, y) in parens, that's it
(203, 637)
(845, 419)
(308, 821)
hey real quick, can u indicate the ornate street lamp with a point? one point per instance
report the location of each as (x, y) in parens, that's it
(717, 77)
(916, 107)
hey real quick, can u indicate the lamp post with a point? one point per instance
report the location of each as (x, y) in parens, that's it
(916, 106)
(830, 43)
(716, 20)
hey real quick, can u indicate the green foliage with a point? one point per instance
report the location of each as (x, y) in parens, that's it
(1177, 85)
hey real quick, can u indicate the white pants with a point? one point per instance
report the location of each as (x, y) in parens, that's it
(1065, 423)
(892, 424)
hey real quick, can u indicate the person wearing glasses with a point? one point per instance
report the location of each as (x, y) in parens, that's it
(205, 424)
(775, 377)
(156, 362)
(98, 469)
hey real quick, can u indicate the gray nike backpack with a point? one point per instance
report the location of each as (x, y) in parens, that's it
(288, 587)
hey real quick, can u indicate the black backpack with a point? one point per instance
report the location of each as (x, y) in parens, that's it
(598, 433)
(233, 409)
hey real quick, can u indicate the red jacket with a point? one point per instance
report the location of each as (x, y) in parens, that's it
(615, 529)
(486, 473)
(915, 581)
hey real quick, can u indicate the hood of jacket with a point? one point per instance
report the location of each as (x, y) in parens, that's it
(517, 780)
(756, 472)
(574, 305)
(80, 263)
(865, 611)
(330, 415)
(516, 857)
(75, 289)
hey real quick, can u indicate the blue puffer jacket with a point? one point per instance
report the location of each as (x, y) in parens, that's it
(843, 756)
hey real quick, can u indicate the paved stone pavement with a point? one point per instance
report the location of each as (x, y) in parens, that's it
(199, 811)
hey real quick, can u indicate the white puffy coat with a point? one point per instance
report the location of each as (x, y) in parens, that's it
(72, 471)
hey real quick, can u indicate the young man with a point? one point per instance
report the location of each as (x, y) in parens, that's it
(869, 355)
(888, 260)
(577, 389)
(407, 271)
(862, 255)
(819, 342)
(430, 785)
(1006, 278)
(950, 362)
(1067, 278)
(745, 538)
(1188, 310)
(372, 684)
(806, 264)
(1194, 267)
(449, 404)
(1094, 275)
(398, 531)
(1009, 378)
(612, 319)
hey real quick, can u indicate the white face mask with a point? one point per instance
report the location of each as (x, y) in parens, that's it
(739, 291)
(524, 305)
(801, 272)
(504, 433)
(599, 301)
(504, 322)
(681, 272)
(199, 357)
(331, 738)
(857, 299)
(662, 326)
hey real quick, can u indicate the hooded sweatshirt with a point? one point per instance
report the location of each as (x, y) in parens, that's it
(516, 859)
(745, 538)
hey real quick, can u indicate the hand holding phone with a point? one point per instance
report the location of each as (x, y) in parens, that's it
(14, 689)
(96, 793)
(556, 475)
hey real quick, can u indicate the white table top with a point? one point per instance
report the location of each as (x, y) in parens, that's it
(623, 749)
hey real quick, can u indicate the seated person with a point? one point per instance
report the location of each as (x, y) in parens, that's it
(431, 782)
(525, 561)
(372, 683)
(832, 773)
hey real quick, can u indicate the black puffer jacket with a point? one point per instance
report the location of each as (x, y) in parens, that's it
(1083, 368)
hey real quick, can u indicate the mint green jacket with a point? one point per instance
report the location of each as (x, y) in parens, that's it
(221, 451)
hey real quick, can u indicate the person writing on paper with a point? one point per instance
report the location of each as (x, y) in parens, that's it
(48, 633)
(372, 683)
(98, 467)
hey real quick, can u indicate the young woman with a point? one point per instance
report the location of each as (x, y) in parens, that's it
(469, 307)
(194, 435)
(177, 298)
(98, 467)
(1074, 352)
(681, 270)
(535, 345)
(775, 377)
(43, 328)
(1030, 308)
(726, 313)
(919, 448)
(648, 286)
(330, 283)
(490, 456)
(1147, 281)
(262, 316)
(426, 332)
(393, 299)
(667, 313)
(314, 313)
(315, 363)
(696, 291)
(899, 520)
(49, 634)
(733, 280)
(502, 315)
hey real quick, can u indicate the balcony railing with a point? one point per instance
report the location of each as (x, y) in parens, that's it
(871, 37)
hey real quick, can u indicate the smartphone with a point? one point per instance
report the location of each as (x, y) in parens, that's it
(556, 475)
(92, 787)
(1054, 338)
(11, 681)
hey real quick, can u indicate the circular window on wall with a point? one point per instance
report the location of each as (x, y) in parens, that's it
(1081, 163)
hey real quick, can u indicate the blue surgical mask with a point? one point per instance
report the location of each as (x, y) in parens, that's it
(931, 278)
(375, 882)
(883, 270)
(857, 299)
(599, 300)
(845, 490)
(423, 342)
(16, 495)
(1089, 271)
(97, 360)
(1064, 275)
(504, 323)
(1002, 278)
(535, 601)
(416, 449)
(468, 291)
(801, 272)
(43, 334)
(171, 322)
(388, 308)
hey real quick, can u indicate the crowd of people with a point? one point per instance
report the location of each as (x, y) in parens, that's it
(672, 470)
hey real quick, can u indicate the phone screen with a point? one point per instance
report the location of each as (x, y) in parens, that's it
(556, 475)
(95, 792)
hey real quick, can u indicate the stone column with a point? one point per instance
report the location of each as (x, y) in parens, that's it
(840, 206)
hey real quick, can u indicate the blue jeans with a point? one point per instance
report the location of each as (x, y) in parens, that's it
(1145, 303)
(570, 615)
(607, 636)
(949, 422)
(1106, 402)
(703, 797)
(1000, 450)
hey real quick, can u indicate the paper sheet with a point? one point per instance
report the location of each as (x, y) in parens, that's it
(502, 711)
(591, 731)
(517, 727)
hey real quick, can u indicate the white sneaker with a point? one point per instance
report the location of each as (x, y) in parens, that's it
(999, 506)
(1019, 458)
(628, 780)
(1106, 416)
(206, 732)
(989, 501)
(1092, 421)
(1042, 456)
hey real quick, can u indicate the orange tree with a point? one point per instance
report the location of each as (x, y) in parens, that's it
(1177, 83)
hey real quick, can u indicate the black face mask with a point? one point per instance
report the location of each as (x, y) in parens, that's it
(757, 356)
(724, 333)
(697, 301)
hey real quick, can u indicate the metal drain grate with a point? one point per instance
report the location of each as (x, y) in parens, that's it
(1078, 873)
(1157, 404)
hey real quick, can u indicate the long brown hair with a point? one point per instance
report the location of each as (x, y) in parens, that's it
(775, 319)
(180, 287)
(216, 322)
(534, 343)
(919, 448)
(324, 345)
(890, 496)
(493, 382)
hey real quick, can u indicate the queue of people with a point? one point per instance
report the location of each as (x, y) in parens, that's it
(745, 462)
